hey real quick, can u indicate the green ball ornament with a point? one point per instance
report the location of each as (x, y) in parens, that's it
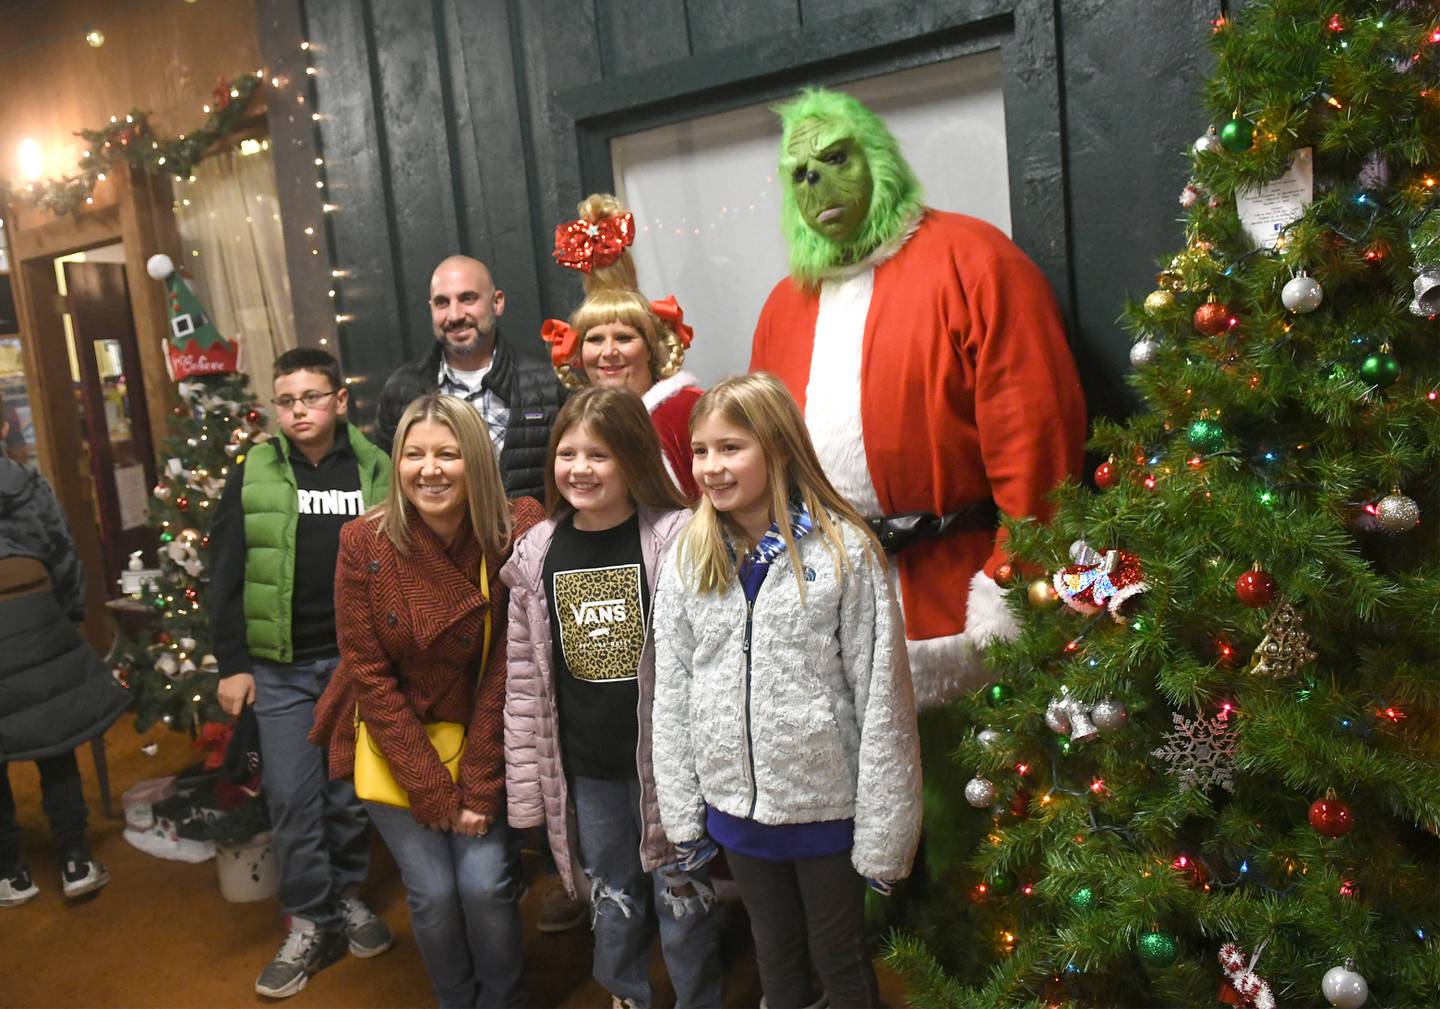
(1000, 883)
(1206, 436)
(1158, 949)
(1083, 899)
(1237, 135)
(1380, 369)
(997, 694)
(167, 537)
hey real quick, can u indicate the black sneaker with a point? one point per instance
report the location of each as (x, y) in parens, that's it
(82, 876)
(306, 950)
(17, 887)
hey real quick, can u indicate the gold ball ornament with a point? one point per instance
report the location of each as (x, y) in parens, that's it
(190, 535)
(1042, 594)
(1159, 301)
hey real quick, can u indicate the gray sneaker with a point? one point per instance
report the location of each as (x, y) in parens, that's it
(17, 888)
(368, 935)
(82, 876)
(306, 950)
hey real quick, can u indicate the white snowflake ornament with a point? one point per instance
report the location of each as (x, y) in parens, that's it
(1200, 752)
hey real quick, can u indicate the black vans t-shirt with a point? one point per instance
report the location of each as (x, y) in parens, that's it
(599, 618)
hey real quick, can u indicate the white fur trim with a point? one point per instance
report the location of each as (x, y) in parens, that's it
(944, 668)
(667, 387)
(832, 398)
(884, 251)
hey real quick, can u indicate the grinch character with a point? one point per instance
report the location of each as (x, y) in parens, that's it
(936, 340)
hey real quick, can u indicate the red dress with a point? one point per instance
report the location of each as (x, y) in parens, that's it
(670, 401)
(947, 352)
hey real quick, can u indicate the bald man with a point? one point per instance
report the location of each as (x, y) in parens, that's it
(517, 396)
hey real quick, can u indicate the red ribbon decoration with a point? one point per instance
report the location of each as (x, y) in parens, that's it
(668, 309)
(562, 338)
(586, 246)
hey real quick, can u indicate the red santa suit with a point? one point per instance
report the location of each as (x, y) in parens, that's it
(946, 353)
(670, 401)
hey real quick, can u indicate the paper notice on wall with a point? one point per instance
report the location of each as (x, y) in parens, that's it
(1266, 210)
(134, 495)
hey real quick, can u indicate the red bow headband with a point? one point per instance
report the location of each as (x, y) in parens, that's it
(669, 310)
(564, 341)
(585, 245)
(562, 338)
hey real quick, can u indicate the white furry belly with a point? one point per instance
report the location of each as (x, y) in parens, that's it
(832, 399)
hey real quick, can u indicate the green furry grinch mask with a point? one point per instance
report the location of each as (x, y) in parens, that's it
(847, 188)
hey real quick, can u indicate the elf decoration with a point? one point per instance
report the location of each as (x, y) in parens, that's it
(943, 310)
(1274, 782)
(194, 346)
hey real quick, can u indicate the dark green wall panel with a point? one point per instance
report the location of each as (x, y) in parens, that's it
(475, 125)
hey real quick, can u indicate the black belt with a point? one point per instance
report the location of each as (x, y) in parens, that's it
(896, 532)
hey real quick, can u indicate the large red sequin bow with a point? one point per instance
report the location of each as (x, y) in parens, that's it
(586, 246)
(1242, 986)
(562, 338)
(669, 310)
(1101, 582)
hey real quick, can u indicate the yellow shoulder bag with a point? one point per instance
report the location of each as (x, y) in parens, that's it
(373, 780)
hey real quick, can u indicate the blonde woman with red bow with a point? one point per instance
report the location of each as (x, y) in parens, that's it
(619, 338)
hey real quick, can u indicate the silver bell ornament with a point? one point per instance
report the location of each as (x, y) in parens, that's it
(1302, 294)
(1209, 143)
(980, 792)
(1057, 718)
(1142, 354)
(1397, 513)
(1344, 987)
(1427, 291)
(1108, 715)
(990, 738)
(1076, 716)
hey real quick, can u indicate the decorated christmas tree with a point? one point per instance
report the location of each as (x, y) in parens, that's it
(172, 672)
(1209, 767)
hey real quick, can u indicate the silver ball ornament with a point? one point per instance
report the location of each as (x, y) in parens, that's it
(1302, 294)
(1142, 354)
(980, 792)
(990, 738)
(1108, 715)
(1397, 513)
(1209, 143)
(1344, 987)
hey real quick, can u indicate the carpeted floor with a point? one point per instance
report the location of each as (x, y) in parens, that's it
(160, 935)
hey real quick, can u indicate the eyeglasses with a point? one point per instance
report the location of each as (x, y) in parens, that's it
(311, 399)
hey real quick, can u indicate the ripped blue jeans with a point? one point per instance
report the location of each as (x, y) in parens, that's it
(626, 902)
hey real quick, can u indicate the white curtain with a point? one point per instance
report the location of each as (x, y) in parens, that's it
(230, 232)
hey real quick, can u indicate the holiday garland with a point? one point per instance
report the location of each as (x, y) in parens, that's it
(130, 140)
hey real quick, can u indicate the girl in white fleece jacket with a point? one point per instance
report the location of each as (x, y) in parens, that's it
(784, 720)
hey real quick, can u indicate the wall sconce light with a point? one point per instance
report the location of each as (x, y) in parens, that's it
(94, 37)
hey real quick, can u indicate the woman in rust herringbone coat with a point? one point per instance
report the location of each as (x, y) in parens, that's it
(411, 614)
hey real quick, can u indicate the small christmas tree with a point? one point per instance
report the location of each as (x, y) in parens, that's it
(1163, 821)
(172, 673)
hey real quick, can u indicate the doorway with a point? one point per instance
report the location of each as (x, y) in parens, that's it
(110, 389)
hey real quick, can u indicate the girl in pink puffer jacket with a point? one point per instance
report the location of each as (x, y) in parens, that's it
(579, 691)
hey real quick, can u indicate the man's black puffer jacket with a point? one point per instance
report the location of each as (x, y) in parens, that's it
(527, 385)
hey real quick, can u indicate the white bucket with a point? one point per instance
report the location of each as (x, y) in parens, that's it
(248, 873)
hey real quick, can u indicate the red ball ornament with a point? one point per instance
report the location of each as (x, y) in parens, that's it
(179, 410)
(1004, 573)
(1212, 318)
(163, 637)
(1255, 587)
(1106, 475)
(1020, 804)
(182, 503)
(1331, 817)
(253, 417)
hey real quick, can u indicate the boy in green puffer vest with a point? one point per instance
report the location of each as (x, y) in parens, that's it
(273, 549)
